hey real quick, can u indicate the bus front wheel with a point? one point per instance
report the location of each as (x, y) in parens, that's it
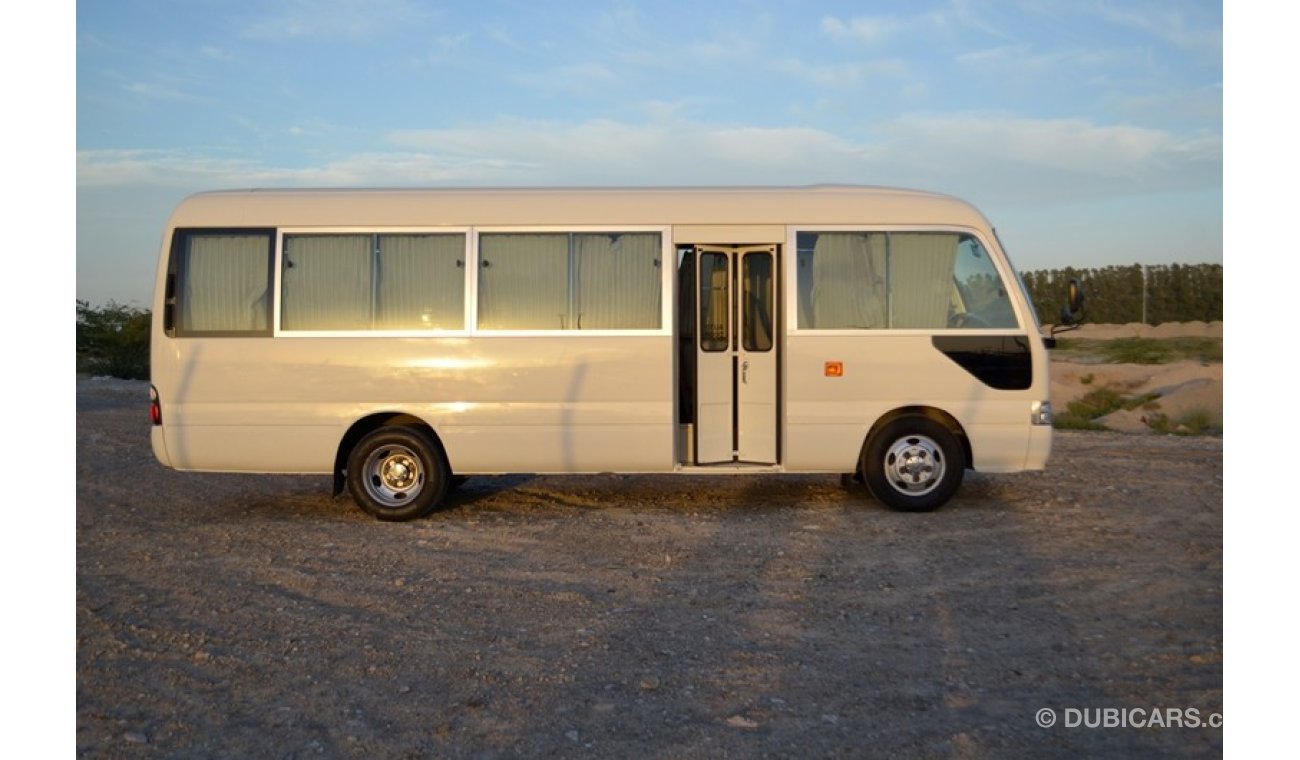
(397, 473)
(913, 464)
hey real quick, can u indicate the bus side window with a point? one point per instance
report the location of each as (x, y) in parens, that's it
(984, 299)
(223, 282)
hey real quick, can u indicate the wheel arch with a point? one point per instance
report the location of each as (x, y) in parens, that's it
(368, 424)
(933, 413)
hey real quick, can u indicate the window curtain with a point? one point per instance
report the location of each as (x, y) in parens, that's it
(420, 282)
(920, 278)
(847, 282)
(226, 283)
(618, 281)
(523, 282)
(326, 282)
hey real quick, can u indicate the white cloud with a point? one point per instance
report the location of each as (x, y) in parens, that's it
(215, 53)
(864, 29)
(984, 155)
(334, 19)
(1023, 61)
(159, 91)
(1070, 146)
(958, 15)
(576, 79)
(838, 75)
(954, 17)
(446, 49)
(1203, 105)
(1170, 26)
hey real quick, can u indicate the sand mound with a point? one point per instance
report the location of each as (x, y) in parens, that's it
(1184, 388)
(1137, 330)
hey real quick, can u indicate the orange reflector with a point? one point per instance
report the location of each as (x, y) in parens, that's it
(835, 369)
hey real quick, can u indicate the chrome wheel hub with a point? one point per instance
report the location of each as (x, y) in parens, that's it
(393, 475)
(914, 465)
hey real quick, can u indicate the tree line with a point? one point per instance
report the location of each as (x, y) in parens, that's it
(1136, 293)
(113, 340)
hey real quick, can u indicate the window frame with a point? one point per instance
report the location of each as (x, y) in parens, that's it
(177, 271)
(282, 232)
(791, 285)
(667, 275)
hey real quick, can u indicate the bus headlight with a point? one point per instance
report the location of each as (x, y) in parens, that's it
(1040, 413)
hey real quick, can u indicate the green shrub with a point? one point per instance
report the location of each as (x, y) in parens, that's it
(1194, 422)
(1161, 350)
(113, 340)
(1141, 350)
(1138, 351)
(1098, 402)
(1082, 413)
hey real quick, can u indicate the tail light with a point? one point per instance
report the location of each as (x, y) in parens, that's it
(155, 408)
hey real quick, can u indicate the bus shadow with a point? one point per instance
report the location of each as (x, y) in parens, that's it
(533, 494)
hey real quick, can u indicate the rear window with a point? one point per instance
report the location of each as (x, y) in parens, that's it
(219, 283)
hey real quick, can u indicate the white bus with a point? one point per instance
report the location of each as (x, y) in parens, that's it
(401, 340)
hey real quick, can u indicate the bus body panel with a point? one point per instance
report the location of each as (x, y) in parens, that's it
(828, 417)
(747, 234)
(544, 404)
(158, 443)
(828, 205)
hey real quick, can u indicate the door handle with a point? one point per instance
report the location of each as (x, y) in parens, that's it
(744, 372)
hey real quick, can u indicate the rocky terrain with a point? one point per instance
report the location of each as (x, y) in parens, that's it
(246, 616)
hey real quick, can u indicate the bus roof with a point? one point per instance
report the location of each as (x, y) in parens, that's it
(398, 207)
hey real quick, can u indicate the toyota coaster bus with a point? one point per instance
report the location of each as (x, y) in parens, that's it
(399, 340)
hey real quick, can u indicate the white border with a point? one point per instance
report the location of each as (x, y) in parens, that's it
(667, 273)
(1022, 310)
(277, 331)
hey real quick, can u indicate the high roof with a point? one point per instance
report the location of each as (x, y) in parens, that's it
(402, 207)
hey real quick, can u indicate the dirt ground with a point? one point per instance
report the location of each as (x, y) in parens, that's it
(1182, 387)
(658, 617)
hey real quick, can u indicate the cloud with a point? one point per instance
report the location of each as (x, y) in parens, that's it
(992, 153)
(1024, 57)
(958, 15)
(353, 20)
(1057, 146)
(1172, 27)
(604, 151)
(978, 155)
(876, 31)
(587, 79)
(838, 75)
(160, 91)
(867, 30)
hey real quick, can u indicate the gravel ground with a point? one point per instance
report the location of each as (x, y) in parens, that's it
(660, 617)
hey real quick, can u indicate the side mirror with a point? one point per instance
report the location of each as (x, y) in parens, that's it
(1076, 299)
(1072, 311)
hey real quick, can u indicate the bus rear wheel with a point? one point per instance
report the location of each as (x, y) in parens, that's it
(913, 464)
(397, 473)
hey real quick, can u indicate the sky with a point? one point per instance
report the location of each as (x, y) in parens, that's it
(1090, 133)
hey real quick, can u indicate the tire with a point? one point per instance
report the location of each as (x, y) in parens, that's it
(913, 464)
(397, 473)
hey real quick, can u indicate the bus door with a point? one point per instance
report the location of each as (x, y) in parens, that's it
(736, 362)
